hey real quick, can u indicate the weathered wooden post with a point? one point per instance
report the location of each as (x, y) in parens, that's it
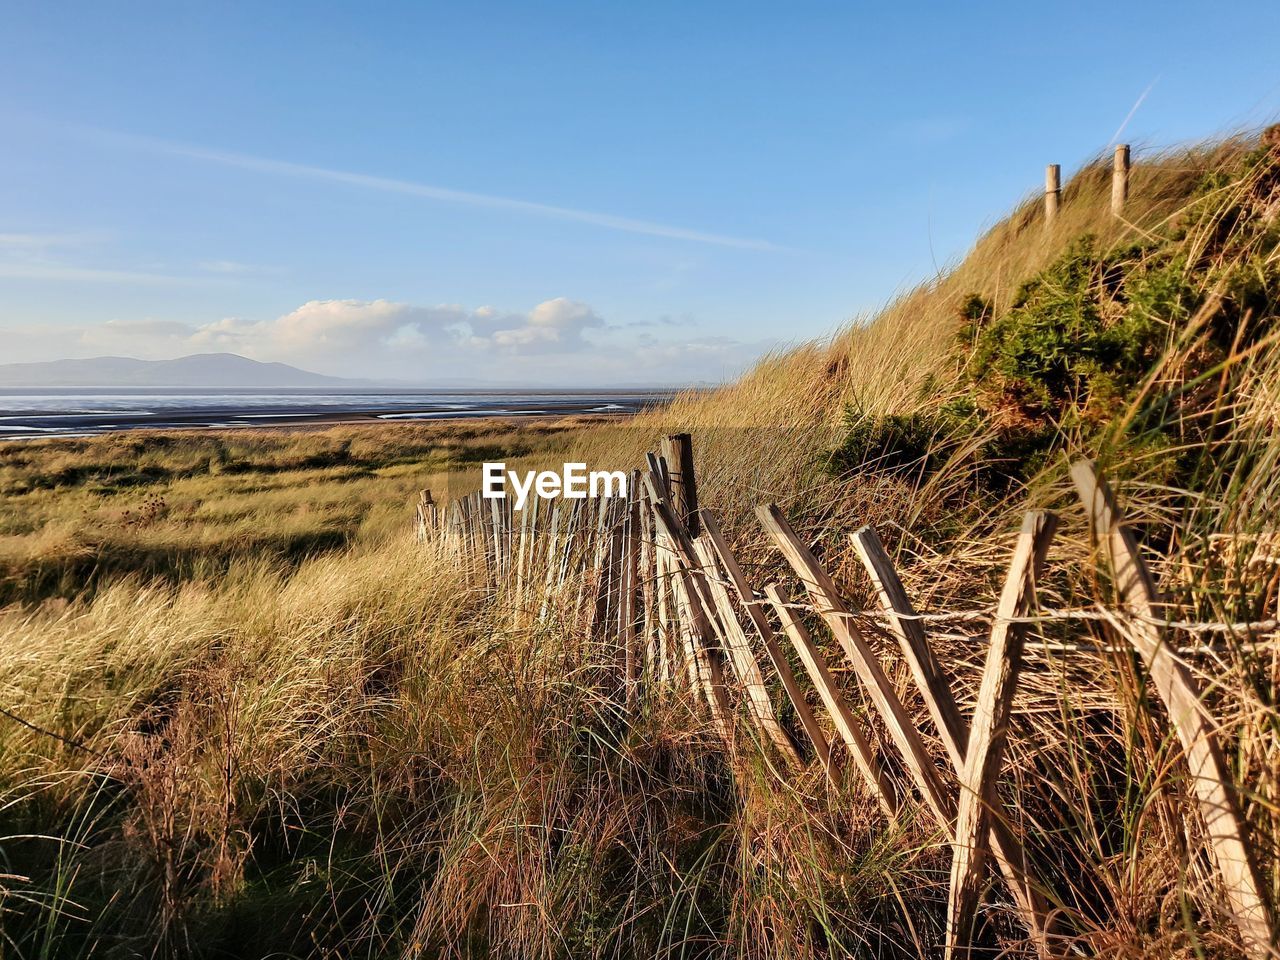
(1052, 192)
(427, 515)
(677, 450)
(1120, 180)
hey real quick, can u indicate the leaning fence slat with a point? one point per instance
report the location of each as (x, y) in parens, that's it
(954, 731)
(827, 600)
(702, 595)
(1195, 727)
(699, 634)
(740, 655)
(846, 724)
(662, 603)
(990, 724)
(627, 613)
(903, 621)
(755, 610)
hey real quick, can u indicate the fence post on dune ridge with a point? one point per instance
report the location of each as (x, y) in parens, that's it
(1196, 729)
(677, 450)
(986, 740)
(1052, 192)
(1120, 179)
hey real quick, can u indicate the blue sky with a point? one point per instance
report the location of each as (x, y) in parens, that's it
(567, 193)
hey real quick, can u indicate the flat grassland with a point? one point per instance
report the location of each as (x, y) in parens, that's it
(188, 505)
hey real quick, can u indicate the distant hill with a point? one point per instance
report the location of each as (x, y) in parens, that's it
(227, 370)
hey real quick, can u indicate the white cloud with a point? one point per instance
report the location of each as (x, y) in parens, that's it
(553, 325)
(558, 341)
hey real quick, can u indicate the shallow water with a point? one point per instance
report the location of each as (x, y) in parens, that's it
(33, 413)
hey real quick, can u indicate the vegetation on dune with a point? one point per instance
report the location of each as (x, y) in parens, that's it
(361, 751)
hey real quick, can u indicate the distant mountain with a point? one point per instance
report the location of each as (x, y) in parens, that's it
(227, 370)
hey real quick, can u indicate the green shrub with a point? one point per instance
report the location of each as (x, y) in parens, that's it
(1078, 337)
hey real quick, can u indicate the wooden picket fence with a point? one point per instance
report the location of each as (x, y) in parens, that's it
(652, 576)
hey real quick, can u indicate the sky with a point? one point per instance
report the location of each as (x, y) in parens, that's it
(562, 193)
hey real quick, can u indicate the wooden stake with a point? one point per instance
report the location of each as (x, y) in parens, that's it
(827, 601)
(627, 616)
(1052, 192)
(426, 515)
(755, 610)
(552, 561)
(677, 450)
(1194, 725)
(744, 662)
(990, 724)
(864, 756)
(498, 515)
(1120, 179)
(905, 624)
(648, 574)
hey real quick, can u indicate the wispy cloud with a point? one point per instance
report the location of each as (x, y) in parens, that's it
(26, 241)
(234, 268)
(66, 272)
(426, 191)
(1115, 137)
(39, 256)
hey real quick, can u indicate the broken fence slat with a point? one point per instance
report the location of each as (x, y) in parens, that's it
(705, 668)
(718, 620)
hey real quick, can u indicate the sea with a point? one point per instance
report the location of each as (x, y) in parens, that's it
(31, 413)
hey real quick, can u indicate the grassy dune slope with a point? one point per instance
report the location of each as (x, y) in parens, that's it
(351, 750)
